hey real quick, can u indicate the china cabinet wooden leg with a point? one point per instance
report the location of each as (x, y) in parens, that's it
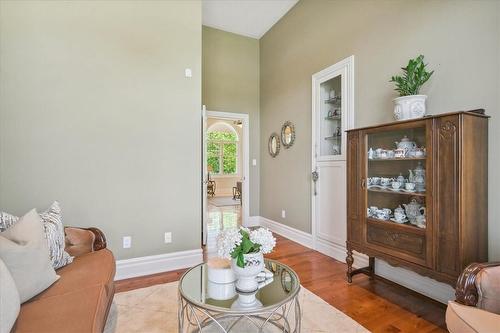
(349, 260)
(371, 267)
(369, 270)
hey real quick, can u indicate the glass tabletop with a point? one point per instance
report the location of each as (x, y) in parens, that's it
(195, 287)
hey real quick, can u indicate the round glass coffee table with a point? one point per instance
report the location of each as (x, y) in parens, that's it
(205, 306)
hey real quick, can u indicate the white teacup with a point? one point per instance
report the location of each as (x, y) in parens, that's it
(421, 221)
(396, 185)
(400, 217)
(382, 214)
(385, 181)
(419, 153)
(410, 186)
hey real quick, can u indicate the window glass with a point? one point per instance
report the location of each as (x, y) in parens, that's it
(222, 136)
(229, 158)
(222, 152)
(213, 157)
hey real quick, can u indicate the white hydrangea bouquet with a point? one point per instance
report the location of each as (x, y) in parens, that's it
(246, 248)
(236, 243)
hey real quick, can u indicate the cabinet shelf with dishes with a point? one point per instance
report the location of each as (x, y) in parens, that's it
(396, 226)
(406, 183)
(397, 159)
(397, 192)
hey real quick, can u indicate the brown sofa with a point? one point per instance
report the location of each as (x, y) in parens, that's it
(477, 305)
(80, 300)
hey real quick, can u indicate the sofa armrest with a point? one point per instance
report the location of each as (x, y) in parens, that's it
(466, 290)
(83, 240)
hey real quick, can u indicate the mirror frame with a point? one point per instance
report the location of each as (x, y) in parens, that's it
(273, 135)
(292, 127)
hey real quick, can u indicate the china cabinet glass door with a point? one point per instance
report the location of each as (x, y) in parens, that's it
(397, 177)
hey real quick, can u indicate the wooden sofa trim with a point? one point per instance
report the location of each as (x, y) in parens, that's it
(83, 240)
(99, 240)
(466, 290)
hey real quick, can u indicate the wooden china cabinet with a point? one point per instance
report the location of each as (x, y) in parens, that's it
(454, 154)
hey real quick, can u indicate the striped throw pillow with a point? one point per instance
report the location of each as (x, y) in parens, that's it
(54, 233)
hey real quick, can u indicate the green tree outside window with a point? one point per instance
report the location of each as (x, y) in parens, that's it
(222, 152)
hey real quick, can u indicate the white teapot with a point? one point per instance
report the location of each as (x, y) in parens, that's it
(405, 143)
(414, 210)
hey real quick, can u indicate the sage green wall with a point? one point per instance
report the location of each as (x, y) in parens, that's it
(231, 84)
(92, 95)
(460, 40)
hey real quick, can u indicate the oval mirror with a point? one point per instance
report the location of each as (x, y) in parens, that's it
(287, 134)
(274, 145)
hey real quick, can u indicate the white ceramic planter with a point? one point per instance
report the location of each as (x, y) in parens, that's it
(246, 302)
(221, 291)
(409, 107)
(246, 277)
(220, 271)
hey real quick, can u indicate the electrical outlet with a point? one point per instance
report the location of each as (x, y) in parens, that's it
(254, 162)
(168, 237)
(127, 242)
(283, 213)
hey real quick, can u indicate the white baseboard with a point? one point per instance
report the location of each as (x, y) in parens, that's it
(335, 251)
(253, 221)
(140, 266)
(438, 291)
(298, 236)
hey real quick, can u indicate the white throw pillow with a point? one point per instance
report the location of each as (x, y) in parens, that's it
(9, 300)
(54, 233)
(24, 251)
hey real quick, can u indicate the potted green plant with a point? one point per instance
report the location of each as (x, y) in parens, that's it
(410, 104)
(246, 249)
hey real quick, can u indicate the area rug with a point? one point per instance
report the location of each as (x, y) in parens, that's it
(223, 201)
(154, 309)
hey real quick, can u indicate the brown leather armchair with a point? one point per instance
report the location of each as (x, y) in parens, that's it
(477, 304)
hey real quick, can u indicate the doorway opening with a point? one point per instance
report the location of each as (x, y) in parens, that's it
(225, 180)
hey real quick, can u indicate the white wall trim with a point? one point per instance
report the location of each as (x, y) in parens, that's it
(253, 221)
(298, 236)
(330, 249)
(441, 292)
(438, 291)
(141, 266)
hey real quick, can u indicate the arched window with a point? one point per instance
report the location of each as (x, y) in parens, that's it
(222, 149)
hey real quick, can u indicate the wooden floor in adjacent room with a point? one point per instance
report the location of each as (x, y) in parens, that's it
(378, 305)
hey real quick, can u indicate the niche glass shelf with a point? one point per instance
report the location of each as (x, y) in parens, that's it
(331, 120)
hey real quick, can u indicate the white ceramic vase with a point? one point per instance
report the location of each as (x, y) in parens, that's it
(246, 277)
(409, 107)
(246, 301)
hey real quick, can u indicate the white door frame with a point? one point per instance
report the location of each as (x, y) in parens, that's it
(347, 65)
(245, 206)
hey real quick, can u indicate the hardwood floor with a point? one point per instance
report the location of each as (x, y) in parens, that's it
(378, 305)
